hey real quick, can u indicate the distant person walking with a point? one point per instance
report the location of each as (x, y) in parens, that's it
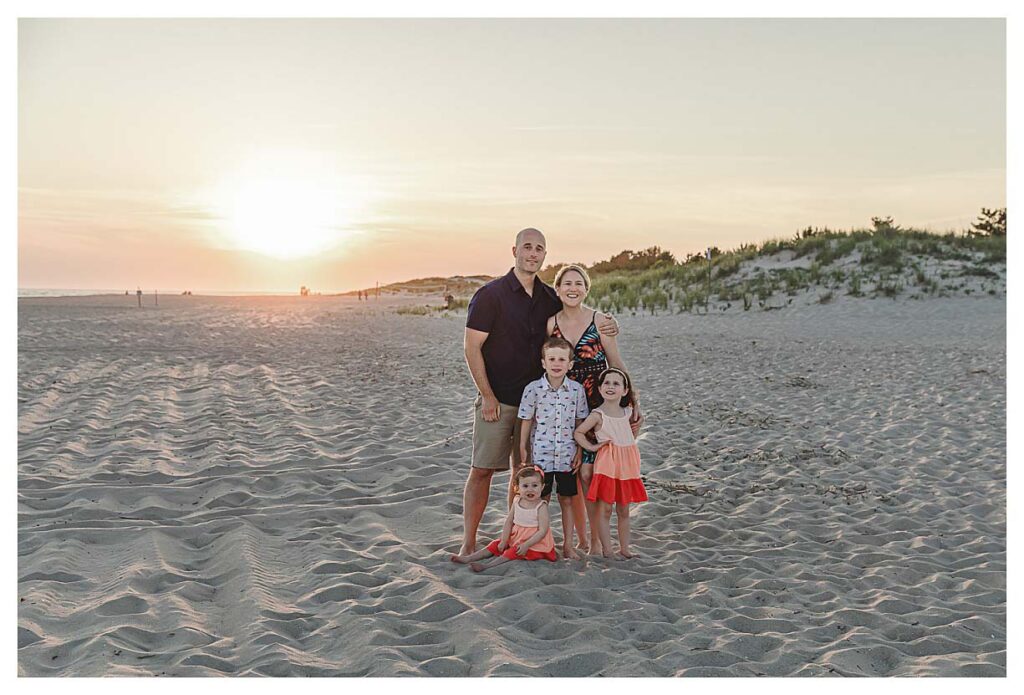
(505, 327)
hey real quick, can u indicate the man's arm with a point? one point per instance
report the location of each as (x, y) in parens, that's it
(473, 345)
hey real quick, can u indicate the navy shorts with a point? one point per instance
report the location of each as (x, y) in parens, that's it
(564, 484)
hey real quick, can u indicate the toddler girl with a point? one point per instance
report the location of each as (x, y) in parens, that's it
(527, 531)
(617, 466)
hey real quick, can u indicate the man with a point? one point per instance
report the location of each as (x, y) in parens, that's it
(505, 327)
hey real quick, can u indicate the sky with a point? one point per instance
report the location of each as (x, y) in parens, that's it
(261, 155)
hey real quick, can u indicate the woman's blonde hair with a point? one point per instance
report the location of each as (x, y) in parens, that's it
(579, 269)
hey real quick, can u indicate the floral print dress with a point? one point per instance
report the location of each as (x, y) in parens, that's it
(589, 362)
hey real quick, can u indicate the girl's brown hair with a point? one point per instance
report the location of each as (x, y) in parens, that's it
(627, 400)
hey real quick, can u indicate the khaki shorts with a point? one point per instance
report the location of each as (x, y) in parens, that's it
(493, 442)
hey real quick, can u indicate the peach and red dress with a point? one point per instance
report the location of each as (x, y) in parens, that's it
(524, 525)
(617, 466)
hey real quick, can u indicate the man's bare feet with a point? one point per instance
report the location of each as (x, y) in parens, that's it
(624, 552)
(569, 554)
(477, 566)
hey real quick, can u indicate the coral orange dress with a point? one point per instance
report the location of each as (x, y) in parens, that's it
(524, 525)
(617, 467)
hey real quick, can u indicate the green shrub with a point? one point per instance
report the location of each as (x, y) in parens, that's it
(855, 285)
(655, 299)
(888, 286)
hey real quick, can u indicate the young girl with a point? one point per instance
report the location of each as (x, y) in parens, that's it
(617, 466)
(527, 531)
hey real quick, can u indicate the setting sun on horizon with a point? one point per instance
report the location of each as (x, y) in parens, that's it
(285, 206)
(246, 155)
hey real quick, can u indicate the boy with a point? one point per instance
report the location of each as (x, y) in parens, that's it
(551, 409)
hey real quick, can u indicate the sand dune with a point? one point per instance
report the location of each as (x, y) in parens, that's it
(272, 486)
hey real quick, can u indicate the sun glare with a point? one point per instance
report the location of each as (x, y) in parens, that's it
(284, 218)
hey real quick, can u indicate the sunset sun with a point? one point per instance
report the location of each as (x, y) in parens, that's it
(284, 218)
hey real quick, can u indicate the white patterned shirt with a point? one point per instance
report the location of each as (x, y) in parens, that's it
(554, 413)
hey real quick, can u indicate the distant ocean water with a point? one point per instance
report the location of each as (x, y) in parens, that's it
(63, 292)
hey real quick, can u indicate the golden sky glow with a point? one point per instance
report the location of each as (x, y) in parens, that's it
(268, 154)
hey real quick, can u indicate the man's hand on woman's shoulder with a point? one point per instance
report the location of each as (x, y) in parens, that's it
(607, 325)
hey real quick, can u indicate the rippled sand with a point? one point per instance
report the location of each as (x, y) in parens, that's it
(273, 485)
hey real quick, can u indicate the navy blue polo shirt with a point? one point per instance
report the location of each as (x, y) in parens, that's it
(516, 324)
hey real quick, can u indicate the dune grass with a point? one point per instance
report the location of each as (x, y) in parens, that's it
(821, 264)
(880, 262)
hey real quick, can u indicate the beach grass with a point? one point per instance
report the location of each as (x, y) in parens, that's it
(879, 262)
(883, 261)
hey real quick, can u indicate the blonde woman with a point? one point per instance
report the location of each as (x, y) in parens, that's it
(593, 352)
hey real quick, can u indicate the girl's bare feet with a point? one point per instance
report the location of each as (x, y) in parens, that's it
(583, 546)
(568, 553)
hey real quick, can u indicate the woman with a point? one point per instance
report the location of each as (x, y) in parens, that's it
(592, 354)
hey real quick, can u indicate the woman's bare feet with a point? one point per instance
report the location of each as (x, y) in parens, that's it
(626, 555)
(568, 553)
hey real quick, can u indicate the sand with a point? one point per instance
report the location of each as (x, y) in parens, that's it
(273, 486)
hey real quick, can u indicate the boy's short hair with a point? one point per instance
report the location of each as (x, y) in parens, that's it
(555, 341)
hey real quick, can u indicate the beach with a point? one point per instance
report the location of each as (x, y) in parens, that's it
(273, 486)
